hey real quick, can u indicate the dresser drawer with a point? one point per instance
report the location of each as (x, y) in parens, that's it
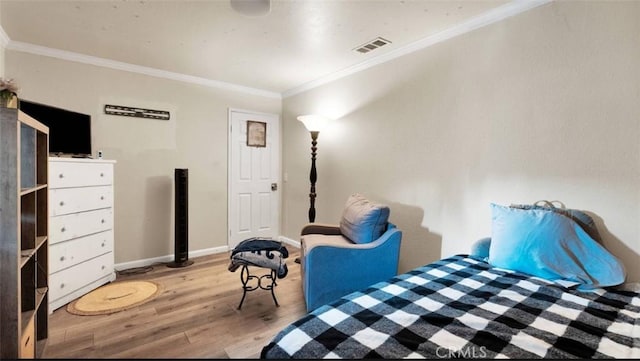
(69, 226)
(69, 253)
(72, 200)
(71, 279)
(71, 174)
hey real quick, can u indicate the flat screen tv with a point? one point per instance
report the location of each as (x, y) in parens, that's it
(69, 131)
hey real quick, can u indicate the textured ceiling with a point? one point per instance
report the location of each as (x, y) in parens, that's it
(295, 43)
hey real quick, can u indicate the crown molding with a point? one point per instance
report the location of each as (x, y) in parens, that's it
(507, 10)
(502, 12)
(4, 38)
(118, 65)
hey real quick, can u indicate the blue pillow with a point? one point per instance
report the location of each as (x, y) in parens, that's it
(480, 248)
(583, 219)
(550, 245)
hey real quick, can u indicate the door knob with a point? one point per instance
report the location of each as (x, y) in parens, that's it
(274, 186)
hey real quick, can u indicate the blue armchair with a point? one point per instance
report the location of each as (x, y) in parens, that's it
(339, 259)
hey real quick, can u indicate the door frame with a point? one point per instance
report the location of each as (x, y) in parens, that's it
(229, 165)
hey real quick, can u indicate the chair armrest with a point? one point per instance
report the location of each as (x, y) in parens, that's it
(321, 228)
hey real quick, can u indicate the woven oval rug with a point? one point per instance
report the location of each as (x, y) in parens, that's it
(114, 297)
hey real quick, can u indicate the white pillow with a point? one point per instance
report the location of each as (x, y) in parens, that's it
(362, 220)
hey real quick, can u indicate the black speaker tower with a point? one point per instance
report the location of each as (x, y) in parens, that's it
(181, 239)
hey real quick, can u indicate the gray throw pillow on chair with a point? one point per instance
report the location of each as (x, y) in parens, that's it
(362, 220)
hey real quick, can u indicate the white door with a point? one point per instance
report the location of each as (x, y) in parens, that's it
(254, 175)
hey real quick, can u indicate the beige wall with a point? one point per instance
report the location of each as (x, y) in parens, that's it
(2, 51)
(146, 150)
(2, 45)
(543, 105)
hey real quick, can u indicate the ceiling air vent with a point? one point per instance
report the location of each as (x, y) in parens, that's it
(372, 45)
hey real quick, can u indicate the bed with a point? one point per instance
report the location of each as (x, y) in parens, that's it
(463, 307)
(542, 286)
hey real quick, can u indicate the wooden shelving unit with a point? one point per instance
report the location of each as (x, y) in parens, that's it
(24, 241)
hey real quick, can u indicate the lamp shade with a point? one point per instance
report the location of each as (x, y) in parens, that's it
(314, 122)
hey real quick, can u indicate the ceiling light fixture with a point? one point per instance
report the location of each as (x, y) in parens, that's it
(251, 7)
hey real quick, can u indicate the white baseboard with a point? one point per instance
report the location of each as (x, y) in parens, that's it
(289, 241)
(201, 252)
(168, 258)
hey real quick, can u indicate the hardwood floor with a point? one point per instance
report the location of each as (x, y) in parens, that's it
(194, 316)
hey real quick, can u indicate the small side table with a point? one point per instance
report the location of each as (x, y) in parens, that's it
(270, 283)
(262, 253)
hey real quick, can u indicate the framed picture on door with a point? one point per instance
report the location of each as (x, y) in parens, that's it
(256, 134)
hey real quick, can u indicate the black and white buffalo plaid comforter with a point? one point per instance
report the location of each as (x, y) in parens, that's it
(461, 307)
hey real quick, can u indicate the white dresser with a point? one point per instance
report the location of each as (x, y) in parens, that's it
(80, 227)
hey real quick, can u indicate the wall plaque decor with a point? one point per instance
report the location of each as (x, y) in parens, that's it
(135, 112)
(256, 134)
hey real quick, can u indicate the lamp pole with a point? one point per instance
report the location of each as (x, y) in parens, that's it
(313, 177)
(314, 124)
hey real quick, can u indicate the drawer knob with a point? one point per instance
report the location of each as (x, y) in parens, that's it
(103, 267)
(61, 175)
(101, 174)
(62, 285)
(104, 243)
(62, 258)
(101, 198)
(62, 229)
(61, 203)
(102, 221)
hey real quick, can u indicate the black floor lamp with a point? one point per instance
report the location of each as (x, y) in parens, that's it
(314, 124)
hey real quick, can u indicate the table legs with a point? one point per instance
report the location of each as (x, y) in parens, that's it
(245, 277)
